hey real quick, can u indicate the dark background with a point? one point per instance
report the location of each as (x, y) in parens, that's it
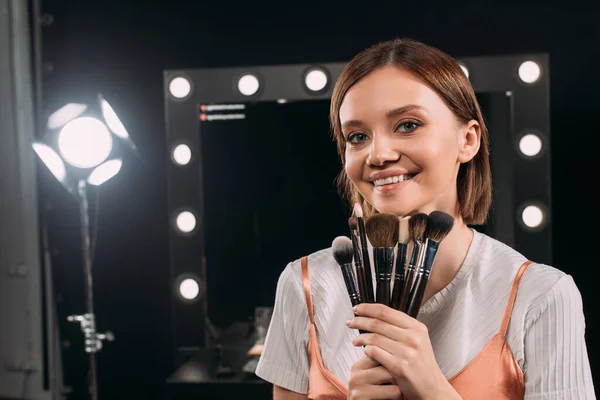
(120, 48)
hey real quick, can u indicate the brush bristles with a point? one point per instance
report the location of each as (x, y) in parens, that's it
(403, 236)
(439, 226)
(353, 223)
(417, 225)
(342, 250)
(382, 230)
(358, 211)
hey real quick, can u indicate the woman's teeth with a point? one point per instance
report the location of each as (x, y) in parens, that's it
(392, 179)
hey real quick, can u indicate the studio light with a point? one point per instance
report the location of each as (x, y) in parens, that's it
(248, 85)
(182, 154)
(529, 71)
(533, 216)
(79, 150)
(180, 87)
(185, 221)
(316, 79)
(530, 145)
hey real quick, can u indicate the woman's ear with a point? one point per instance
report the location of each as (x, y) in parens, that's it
(468, 141)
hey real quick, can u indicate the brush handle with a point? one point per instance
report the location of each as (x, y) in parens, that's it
(350, 286)
(384, 263)
(360, 270)
(411, 273)
(408, 283)
(399, 275)
(416, 298)
(418, 291)
(369, 296)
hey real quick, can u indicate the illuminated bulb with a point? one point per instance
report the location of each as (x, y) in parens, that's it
(529, 71)
(85, 142)
(530, 145)
(182, 154)
(248, 85)
(186, 221)
(316, 80)
(65, 114)
(104, 172)
(113, 122)
(52, 161)
(180, 87)
(189, 289)
(532, 216)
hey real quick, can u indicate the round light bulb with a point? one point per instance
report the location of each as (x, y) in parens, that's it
(532, 216)
(530, 145)
(85, 142)
(182, 154)
(185, 221)
(248, 85)
(529, 71)
(180, 87)
(465, 70)
(316, 80)
(189, 289)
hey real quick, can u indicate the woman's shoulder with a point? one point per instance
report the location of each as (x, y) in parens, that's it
(322, 268)
(538, 280)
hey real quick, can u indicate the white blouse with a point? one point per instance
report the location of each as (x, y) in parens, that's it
(545, 334)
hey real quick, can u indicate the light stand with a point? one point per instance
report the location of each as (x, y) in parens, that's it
(84, 135)
(93, 340)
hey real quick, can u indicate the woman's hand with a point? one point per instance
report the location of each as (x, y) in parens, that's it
(367, 379)
(401, 344)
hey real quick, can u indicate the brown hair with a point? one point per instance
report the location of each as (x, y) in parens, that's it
(442, 74)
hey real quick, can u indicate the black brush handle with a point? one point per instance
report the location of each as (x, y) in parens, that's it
(411, 272)
(351, 287)
(414, 304)
(369, 296)
(399, 275)
(384, 263)
(360, 270)
(418, 290)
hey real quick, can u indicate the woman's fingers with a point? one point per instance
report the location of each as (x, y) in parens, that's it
(375, 392)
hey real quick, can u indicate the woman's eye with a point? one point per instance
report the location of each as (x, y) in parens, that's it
(408, 126)
(357, 138)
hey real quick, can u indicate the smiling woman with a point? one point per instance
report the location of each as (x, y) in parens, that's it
(412, 139)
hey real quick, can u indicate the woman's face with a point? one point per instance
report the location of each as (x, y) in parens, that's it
(403, 144)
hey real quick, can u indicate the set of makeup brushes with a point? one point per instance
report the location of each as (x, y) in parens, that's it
(390, 238)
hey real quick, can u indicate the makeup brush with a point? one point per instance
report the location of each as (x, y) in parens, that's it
(358, 266)
(368, 296)
(400, 271)
(382, 231)
(416, 229)
(342, 252)
(439, 226)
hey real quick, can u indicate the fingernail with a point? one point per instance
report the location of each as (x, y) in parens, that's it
(348, 322)
(355, 308)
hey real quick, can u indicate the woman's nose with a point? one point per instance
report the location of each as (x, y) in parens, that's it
(381, 152)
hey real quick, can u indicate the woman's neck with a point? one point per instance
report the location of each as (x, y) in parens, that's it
(450, 257)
